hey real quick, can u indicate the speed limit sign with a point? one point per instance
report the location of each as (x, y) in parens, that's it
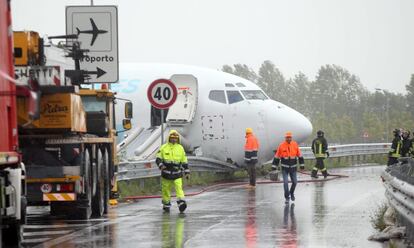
(162, 93)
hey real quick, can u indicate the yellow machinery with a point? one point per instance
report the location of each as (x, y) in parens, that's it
(69, 148)
(27, 48)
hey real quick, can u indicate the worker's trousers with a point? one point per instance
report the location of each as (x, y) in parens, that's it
(251, 169)
(320, 165)
(289, 171)
(392, 161)
(166, 186)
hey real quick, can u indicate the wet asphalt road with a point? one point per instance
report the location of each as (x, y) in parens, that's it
(325, 214)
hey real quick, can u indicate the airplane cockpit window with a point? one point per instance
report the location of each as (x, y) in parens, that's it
(217, 96)
(229, 85)
(254, 95)
(234, 96)
(240, 85)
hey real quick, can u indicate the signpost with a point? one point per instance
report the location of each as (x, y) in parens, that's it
(162, 93)
(97, 30)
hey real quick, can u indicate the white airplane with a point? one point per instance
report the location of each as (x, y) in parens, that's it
(211, 113)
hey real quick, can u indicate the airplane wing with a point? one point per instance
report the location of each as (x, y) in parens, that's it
(94, 27)
(94, 35)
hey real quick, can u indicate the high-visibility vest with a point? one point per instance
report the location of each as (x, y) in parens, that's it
(396, 153)
(318, 149)
(251, 148)
(174, 158)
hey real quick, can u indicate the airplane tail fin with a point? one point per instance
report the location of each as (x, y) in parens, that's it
(77, 29)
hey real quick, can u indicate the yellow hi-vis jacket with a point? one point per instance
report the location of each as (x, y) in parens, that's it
(396, 148)
(173, 157)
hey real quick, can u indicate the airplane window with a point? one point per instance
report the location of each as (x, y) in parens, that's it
(254, 95)
(240, 85)
(217, 96)
(234, 96)
(229, 85)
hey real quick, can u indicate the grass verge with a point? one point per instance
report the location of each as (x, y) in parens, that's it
(377, 217)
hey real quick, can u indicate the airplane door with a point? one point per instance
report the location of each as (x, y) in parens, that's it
(184, 109)
(212, 127)
(214, 137)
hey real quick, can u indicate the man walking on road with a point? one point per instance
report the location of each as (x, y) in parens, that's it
(250, 155)
(320, 150)
(288, 153)
(172, 162)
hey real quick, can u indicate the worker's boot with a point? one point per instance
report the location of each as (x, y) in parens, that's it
(325, 174)
(182, 205)
(166, 207)
(314, 174)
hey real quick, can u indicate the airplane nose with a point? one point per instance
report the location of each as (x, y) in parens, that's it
(304, 127)
(288, 119)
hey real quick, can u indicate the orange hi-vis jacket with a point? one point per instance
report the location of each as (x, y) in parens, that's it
(288, 153)
(251, 148)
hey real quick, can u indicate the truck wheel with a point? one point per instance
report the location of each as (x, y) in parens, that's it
(83, 208)
(99, 181)
(107, 179)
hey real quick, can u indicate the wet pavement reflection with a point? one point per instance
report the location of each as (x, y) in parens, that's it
(325, 214)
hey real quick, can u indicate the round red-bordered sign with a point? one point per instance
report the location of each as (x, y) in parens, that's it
(162, 93)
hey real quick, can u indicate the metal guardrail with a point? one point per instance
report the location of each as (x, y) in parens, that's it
(350, 150)
(145, 169)
(399, 185)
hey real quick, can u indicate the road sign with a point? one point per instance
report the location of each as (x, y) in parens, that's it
(162, 93)
(97, 30)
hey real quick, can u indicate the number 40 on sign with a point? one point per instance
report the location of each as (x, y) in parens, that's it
(162, 93)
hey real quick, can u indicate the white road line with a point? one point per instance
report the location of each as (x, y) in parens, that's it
(76, 234)
(56, 226)
(33, 241)
(32, 234)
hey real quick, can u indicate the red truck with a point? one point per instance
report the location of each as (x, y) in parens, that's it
(12, 180)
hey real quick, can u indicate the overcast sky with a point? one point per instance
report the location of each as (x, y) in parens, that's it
(373, 39)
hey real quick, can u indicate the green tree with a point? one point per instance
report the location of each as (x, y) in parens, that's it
(410, 95)
(336, 101)
(299, 88)
(272, 81)
(241, 70)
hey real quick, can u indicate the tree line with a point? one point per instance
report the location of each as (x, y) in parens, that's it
(336, 101)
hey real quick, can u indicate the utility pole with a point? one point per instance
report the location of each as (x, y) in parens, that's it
(387, 121)
(387, 107)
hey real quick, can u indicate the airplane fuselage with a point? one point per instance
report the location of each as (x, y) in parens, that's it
(225, 106)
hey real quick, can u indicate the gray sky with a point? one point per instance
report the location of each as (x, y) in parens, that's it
(373, 39)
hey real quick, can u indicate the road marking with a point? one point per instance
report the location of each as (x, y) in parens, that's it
(38, 240)
(77, 234)
(32, 234)
(55, 226)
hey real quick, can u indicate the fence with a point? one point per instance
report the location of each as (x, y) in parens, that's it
(351, 150)
(144, 169)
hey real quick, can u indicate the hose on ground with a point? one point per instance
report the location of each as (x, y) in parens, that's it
(225, 185)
